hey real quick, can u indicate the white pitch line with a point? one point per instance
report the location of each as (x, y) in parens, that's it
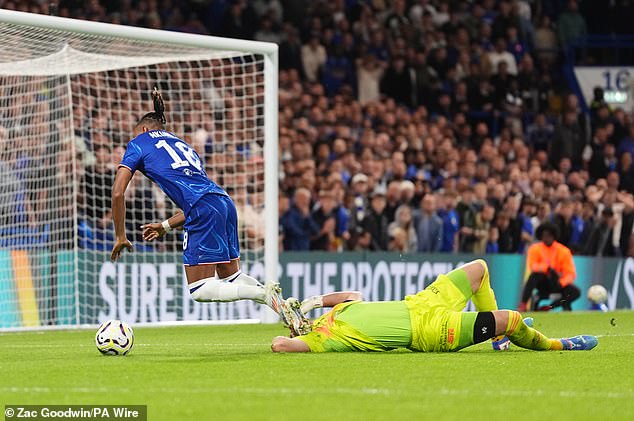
(532, 393)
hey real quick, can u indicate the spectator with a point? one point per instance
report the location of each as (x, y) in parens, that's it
(626, 144)
(568, 141)
(451, 223)
(563, 221)
(291, 51)
(600, 241)
(403, 230)
(239, 21)
(546, 43)
(375, 222)
(337, 72)
(515, 46)
(266, 32)
(571, 25)
(504, 20)
(325, 216)
(298, 224)
(359, 184)
(397, 82)
(552, 272)
(501, 55)
(492, 242)
(393, 199)
(369, 73)
(588, 212)
(540, 134)
(507, 232)
(98, 181)
(483, 229)
(313, 58)
(466, 215)
(429, 226)
(626, 172)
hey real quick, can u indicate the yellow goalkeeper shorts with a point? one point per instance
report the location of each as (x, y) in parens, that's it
(438, 322)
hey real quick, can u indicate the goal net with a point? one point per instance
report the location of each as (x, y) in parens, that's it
(70, 94)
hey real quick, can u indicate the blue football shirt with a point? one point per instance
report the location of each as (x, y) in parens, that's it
(173, 165)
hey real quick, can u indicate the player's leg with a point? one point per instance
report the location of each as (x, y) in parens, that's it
(468, 282)
(510, 323)
(208, 250)
(483, 296)
(476, 327)
(207, 288)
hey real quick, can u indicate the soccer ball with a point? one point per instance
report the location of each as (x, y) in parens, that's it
(597, 294)
(114, 337)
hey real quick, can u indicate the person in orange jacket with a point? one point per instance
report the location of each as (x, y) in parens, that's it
(552, 271)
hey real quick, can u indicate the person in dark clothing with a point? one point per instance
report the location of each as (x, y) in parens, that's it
(325, 216)
(540, 134)
(626, 173)
(600, 242)
(239, 21)
(466, 215)
(568, 141)
(588, 215)
(603, 158)
(598, 102)
(397, 82)
(375, 222)
(291, 51)
(507, 233)
(504, 20)
(298, 224)
(563, 221)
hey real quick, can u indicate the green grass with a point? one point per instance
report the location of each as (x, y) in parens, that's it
(228, 372)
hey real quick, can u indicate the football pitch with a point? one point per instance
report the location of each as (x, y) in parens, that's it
(229, 372)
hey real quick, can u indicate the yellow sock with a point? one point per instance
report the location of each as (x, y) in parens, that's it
(526, 337)
(484, 297)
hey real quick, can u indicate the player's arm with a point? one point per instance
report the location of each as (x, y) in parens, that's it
(329, 300)
(155, 230)
(284, 344)
(121, 181)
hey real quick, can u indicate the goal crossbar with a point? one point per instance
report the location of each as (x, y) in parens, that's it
(136, 33)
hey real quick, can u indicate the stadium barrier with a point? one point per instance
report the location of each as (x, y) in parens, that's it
(152, 288)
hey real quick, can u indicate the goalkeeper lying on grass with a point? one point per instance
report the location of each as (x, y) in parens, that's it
(431, 320)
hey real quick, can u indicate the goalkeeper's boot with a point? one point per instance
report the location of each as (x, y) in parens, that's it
(502, 342)
(304, 326)
(580, 343)
(273, 298)
(294, 321)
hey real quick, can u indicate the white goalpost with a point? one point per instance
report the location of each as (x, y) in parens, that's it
(70, 93)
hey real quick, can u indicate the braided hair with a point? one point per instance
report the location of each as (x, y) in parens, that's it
(157, 117)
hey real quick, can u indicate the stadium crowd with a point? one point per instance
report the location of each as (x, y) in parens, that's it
(423, 126)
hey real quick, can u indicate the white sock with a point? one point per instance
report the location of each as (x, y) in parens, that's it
(213, 289)
(244, 279)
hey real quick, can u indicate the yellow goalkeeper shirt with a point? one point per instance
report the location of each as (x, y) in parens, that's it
(361, 326)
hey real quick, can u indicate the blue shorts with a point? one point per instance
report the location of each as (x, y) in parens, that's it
(211, 231)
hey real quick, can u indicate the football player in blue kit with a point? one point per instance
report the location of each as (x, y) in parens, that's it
(210, 245)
